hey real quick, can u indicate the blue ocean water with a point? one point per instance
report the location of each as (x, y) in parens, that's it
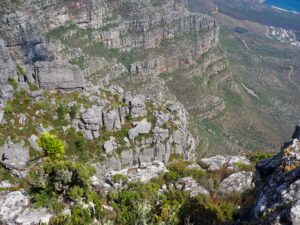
(289, 5)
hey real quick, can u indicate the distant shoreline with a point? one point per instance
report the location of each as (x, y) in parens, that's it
(284, 10)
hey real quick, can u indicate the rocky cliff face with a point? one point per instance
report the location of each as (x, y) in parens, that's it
(7, 69)
(126, 26)
(133, 44)
(277, 188)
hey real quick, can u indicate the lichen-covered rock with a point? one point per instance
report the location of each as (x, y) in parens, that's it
(12, 204)
(295, 213)
(143, 173)
(33, 217)
(190, 185)
(237, 182)
(219, 161)
(277, 192)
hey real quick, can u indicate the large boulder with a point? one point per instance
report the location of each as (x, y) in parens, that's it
(144, 173)
(14, 156)
(21, 33)
(33, 216)
(93, 116)
(237, 182)
(111, 120)
(12, 204)
(188, 184)
(110, 145)
(220, 161)
(58, 75)
(142, 127)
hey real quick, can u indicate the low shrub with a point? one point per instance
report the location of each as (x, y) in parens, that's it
(52, 146)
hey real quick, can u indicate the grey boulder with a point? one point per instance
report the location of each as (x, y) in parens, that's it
(58, 75)
(12, 204)
(34, 216)
(110, 145)
(33, 141)
(237, 182)
(14, 156)
(190, 185)
(142, 127)
(138, 107)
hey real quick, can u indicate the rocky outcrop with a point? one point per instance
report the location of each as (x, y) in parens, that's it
(14, 209)
(142, 127)
(58, 75)
(221, 161)
(143, 173)
(137, 135)
(277, 184)
(85, 13)
(137, 106)
(21, 35)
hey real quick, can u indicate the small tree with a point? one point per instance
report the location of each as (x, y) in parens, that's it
(61, 112)
(73, 111)
(52, 146)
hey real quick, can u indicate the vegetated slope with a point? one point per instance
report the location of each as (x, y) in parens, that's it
(267, 75)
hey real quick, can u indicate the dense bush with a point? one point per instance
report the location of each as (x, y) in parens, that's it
(203, 210)
(133, 204)
(52, 146)
(179, 169)
(258, 156)
(79, 216)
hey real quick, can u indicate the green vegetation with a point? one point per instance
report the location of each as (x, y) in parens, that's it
(33, 87)
(240, 30)
(258, 156)
(52, 146)
(8, 109)
(73, 111)
(141, 203)
(61, 112)
(178, 169)
(20, 70)
(120, 178)
(233, 98)
(57, 183)
(79, 61)
(13, 83)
